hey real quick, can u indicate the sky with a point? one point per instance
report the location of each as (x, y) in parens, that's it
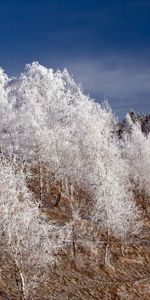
(105, 45)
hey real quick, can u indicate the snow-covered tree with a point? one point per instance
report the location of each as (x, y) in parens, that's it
(59, 127)
(137, 152)
(29, 238)
(7, 115)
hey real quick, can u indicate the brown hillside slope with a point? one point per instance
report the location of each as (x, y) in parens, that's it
(93, 267)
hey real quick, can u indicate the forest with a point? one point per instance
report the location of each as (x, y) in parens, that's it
(74, 192)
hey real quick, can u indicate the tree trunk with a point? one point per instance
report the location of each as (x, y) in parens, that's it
(20, 281)
(74, 241)
(40, 177)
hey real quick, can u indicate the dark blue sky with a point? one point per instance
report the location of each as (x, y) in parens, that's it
(105, 45)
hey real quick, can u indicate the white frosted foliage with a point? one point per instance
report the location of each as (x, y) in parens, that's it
(137, 151)
(30, 239)
(74, 137)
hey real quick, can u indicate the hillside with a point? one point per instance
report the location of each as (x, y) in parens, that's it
(74, 193)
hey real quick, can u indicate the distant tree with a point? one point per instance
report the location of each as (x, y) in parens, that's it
(136, 147)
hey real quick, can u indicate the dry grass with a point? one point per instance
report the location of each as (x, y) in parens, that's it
(92, 269)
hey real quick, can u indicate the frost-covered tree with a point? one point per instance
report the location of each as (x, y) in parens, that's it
(7, 115)
(106, 174)
(30, 239)
(137, 152)
(59, 127)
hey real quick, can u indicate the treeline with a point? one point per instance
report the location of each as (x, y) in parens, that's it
(141, 119)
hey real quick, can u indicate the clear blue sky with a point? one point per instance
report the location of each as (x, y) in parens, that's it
(104, 44)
